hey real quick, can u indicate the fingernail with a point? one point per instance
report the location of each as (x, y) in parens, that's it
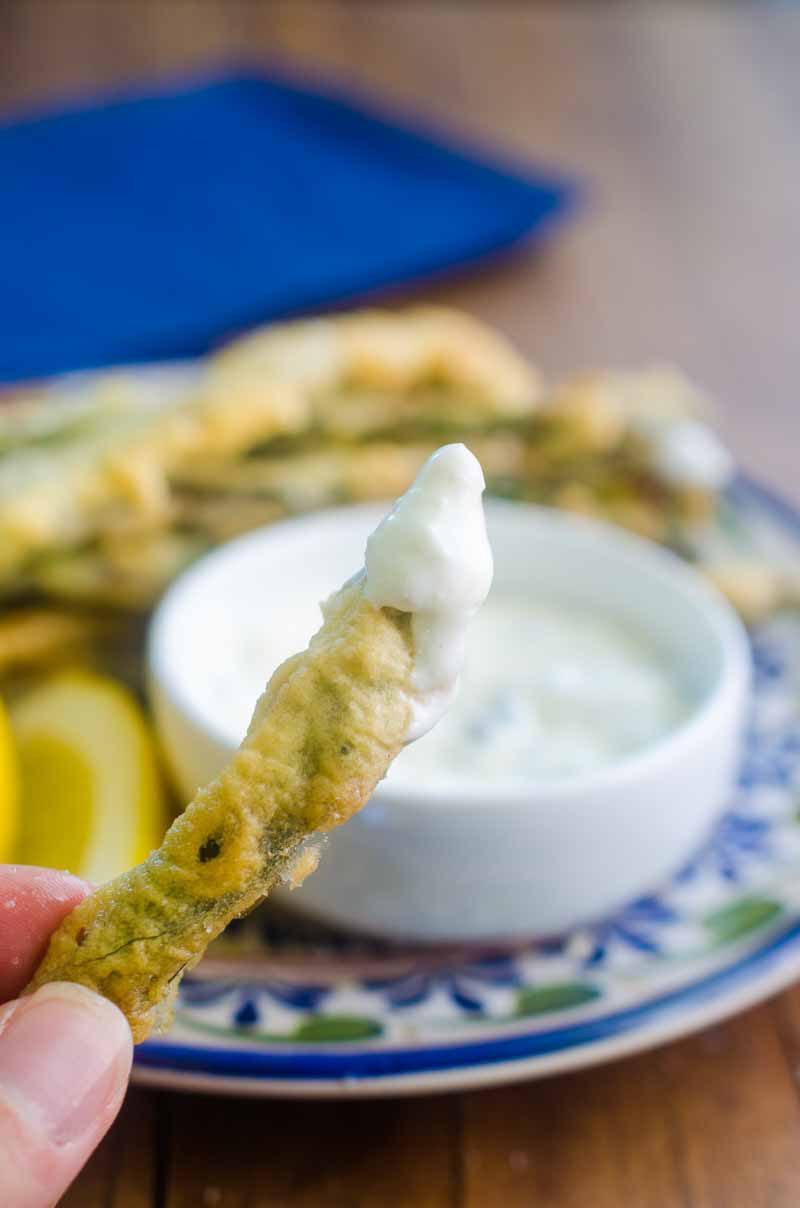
(64, 1059)
(6, 1011)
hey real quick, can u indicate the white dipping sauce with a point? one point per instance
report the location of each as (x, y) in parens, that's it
(688, 453)
(548, 690)
(431, 557)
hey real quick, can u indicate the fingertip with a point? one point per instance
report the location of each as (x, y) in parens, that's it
(108, 1021)
(65, 1057)
(33, 901)
(57, 884)
(66, 1052)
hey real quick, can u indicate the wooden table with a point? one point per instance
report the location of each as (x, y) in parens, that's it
(683, 122)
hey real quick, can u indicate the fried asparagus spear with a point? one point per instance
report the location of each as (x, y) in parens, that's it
(378, 673)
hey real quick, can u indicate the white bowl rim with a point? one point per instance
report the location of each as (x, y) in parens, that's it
(732, 678)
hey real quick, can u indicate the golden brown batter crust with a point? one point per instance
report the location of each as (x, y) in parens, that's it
(323, 734)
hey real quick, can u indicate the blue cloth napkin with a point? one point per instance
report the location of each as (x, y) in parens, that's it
(150, 227)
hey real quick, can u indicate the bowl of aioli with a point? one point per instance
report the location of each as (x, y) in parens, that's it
(592, 745)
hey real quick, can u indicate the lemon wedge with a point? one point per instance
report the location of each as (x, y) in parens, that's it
(8, 788)
(91, 796)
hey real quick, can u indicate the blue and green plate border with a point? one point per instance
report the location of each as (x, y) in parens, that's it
(723, 936)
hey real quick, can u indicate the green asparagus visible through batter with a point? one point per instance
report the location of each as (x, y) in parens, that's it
(323, 734)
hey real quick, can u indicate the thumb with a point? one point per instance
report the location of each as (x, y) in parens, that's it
(65, 1056)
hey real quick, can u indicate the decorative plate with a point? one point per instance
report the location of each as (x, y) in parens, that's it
(283, 1007)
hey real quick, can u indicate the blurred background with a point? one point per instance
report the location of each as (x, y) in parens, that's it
(678, 118)
(673, 129)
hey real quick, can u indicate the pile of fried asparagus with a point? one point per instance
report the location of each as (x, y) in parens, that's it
(111, 483)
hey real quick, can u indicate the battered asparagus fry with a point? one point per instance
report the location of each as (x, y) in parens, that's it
(323, 734)
(330, 722)
(36, 637)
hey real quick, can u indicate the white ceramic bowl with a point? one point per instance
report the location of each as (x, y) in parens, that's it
(479, 864)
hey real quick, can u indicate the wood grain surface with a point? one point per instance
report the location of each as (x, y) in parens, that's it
(682, 120)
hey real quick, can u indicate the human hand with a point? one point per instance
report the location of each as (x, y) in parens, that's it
(65, 1053)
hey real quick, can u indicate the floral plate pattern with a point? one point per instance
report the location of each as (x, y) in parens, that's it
(284, 1007)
